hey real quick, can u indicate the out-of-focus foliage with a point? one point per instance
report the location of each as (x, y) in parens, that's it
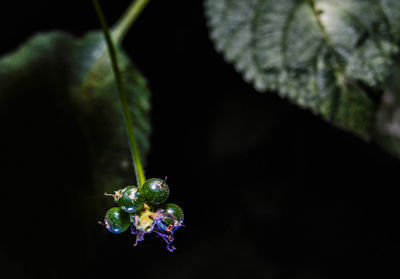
(77, 75)
(388, 116)
(329, 56)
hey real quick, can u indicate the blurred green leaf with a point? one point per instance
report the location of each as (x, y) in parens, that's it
(388, 116)
(329, 56)
(77, 75)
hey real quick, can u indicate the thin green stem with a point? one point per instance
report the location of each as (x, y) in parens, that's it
(122, 26)
(122, 94)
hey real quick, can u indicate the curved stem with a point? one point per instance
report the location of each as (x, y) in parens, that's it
(122, 94)
(123, 24)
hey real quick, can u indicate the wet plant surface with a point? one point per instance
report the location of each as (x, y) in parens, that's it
(268, 190)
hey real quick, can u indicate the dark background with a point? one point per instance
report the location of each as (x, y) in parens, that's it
(268, 190)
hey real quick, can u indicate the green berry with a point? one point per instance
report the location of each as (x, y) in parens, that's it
(174, 211)
(117, 220)
(130, 199)
(155, 191)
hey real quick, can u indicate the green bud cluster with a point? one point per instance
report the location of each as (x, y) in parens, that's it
(144, 209)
